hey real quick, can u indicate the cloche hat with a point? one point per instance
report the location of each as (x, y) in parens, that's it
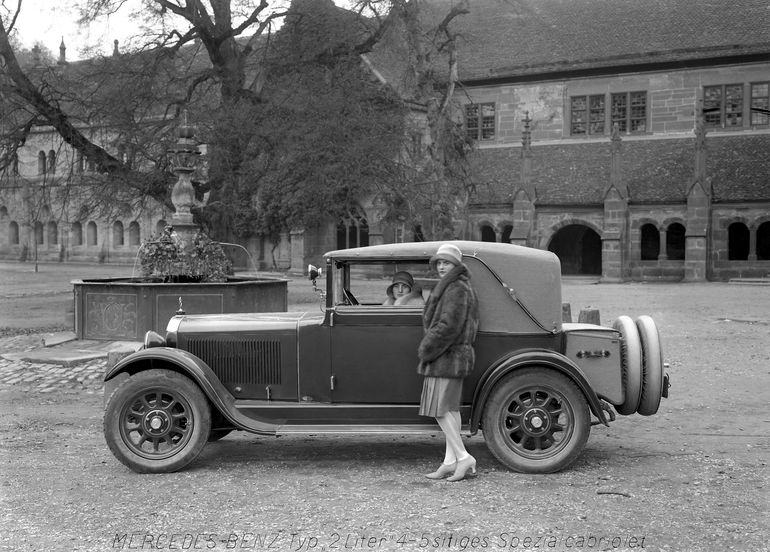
(401, 277)
(448, 252)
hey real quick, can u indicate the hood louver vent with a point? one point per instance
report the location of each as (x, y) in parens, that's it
(240, 359)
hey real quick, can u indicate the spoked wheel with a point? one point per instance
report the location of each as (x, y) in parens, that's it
(157, 421)
(536, 421)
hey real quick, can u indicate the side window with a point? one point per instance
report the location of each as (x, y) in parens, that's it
(393, 284)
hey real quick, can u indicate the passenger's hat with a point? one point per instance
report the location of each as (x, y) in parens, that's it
(448, 252)
(401, 277)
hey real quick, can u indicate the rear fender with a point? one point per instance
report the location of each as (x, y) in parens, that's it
(529, 359)
(191, 366)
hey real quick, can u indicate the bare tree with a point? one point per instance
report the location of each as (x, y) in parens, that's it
(433, 188)
(213, 58)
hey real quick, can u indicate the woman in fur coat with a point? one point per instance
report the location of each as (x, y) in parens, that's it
(450, 319)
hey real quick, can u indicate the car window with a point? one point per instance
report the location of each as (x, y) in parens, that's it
(366, 284)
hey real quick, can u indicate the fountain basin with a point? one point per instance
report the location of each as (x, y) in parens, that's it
(125, 308)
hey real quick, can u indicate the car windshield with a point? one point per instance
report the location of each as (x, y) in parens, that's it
(362, 284)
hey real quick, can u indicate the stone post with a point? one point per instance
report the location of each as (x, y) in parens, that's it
(696, 235)
(524, 198)
(615, 217)
(297, 251)
(698, 210)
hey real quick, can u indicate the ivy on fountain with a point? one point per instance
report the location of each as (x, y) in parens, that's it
(167, 259)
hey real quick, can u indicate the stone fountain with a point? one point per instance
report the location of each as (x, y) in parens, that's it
(125, 308)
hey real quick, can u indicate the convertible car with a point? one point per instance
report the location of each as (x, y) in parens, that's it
(349, 366)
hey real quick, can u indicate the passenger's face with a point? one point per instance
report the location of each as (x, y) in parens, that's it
(399, 290)
(443, 267)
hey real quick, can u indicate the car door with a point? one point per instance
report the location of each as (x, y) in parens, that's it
(374, 354)
(373, 346)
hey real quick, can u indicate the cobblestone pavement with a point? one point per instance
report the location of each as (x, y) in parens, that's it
(46, 377)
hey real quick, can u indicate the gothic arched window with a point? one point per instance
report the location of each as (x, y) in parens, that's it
(352, 231)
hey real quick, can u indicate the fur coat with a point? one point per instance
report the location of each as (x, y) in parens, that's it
(450, 320)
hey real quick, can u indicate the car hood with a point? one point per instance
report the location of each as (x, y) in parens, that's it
(241, 322)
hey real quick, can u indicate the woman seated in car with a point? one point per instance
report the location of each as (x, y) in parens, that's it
(404, 291)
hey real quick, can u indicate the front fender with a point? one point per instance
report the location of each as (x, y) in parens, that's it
(526, 359)
(194, 368)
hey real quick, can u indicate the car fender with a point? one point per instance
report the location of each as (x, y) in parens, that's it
(526, 359)
(193, 367)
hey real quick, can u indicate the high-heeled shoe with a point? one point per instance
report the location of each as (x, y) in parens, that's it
(463, 467)
(444, 470)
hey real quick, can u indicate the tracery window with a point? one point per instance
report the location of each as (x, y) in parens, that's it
(352, 231)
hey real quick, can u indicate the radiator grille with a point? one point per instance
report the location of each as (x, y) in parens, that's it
(240, 359)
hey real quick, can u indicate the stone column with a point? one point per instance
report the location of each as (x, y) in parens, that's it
(524, 198)
(662, 254)
(752, 245)
(183, 158)
(696, 235)
(284, 251)
(375, 231)
(698, 211)
(523, 219)
(297, 251)
(615, 217)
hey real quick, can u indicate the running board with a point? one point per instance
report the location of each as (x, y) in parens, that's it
(361, 429)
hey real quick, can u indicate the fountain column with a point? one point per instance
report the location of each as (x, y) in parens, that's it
(183, 158)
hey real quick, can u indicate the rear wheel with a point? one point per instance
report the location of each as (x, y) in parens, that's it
(631, 365)
(652, 366)
(536, 421)
(157, 421)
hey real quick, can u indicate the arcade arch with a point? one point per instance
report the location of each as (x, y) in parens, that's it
(579, 248)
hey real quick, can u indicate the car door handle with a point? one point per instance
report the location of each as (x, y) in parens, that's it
(331, 382)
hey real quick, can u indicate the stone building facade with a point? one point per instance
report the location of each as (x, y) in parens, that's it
(631, 138)
(643, 155)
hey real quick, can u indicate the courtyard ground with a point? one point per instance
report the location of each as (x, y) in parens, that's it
(693, 477)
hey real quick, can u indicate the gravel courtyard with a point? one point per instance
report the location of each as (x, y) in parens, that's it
(694, 477)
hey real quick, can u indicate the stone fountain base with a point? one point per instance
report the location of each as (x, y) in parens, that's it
(125, 308)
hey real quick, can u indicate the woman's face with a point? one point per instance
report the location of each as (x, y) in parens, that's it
(443, 267)
(399, 290)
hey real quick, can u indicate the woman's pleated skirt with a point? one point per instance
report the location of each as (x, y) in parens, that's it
(440, 395)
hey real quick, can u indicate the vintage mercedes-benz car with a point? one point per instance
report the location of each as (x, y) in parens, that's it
(350, 366)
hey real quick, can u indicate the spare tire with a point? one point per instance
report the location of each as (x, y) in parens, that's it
(631, 365)
(652, 366)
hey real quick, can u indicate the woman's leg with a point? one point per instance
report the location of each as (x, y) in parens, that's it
(450, 456)
(465, 462)
(449, 465)
(450, 425)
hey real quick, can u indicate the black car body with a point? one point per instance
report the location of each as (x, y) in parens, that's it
(350, 366)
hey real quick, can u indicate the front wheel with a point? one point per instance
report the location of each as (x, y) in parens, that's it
(157, 421)
(536, 421)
